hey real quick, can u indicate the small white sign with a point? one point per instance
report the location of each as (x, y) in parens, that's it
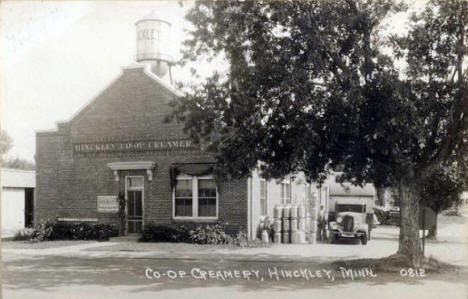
(107, 204)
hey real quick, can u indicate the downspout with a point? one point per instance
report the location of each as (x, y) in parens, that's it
(249, 208)
(1, 198)
(290, 189)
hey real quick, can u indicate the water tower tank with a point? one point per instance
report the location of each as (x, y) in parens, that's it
(153, 43)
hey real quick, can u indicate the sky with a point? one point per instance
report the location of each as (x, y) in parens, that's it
(57, 56)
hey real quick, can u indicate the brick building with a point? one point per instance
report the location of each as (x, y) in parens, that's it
(119, 144)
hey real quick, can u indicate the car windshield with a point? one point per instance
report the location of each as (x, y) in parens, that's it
(351, 208)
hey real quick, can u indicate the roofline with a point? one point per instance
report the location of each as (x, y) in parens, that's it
(134, 66)
(169, 87)
(85, 105)
(46, 132)
(153, 19)
(17, 170)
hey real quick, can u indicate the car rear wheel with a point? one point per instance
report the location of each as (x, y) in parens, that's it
(364, 240)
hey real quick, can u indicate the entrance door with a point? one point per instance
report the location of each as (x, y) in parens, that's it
(134, 204)
(28, 207)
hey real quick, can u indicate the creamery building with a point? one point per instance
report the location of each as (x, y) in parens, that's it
(119, 143)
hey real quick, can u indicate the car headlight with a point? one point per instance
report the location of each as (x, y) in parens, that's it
(334, 225)
(339, 219)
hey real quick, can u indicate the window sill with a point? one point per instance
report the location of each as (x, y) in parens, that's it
(195, 219)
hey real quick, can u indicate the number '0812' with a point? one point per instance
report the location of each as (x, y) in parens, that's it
(410, 272)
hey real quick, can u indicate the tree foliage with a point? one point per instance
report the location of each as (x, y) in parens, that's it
(311, 86)
(19, 163)
(5, 143)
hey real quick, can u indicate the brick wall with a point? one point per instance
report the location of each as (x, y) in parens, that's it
(132, 108)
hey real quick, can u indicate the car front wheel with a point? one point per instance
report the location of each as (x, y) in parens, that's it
(364, 240)
(332, 238)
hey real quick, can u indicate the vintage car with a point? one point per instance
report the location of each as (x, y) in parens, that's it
(350, 218)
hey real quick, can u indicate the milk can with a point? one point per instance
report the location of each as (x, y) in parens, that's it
(293, 224)
(265, 237)
(293, 213)
(286, 237)
(277, 225)
(286, 212)
(278, 211)
(286, 225)
(301, 211)
(277, 238)
(301, 224)
(294, 237)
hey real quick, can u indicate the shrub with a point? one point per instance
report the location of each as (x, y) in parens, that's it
(159, 233)
(69, 231)
(105, 231)
(182, 233)
(23, 234)
(42, 232)
(210, 234)
(241, 238)
(83, 231)
(191, 233)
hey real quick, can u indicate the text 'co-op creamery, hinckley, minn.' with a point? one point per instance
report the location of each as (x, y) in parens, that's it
(121, 144)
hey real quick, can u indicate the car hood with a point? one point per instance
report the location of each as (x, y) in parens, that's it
(354, 214)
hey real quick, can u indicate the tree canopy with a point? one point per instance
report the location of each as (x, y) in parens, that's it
(5, 143)
(316, 85)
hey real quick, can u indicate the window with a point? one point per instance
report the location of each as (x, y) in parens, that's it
(183, 198)
(206, 198)
(134, 181)
(263, 197)
(195, 197)
(285, 193)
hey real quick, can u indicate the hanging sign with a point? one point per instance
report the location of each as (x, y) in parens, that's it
(428, 217)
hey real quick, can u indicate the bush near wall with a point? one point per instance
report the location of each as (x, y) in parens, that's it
(48, 231)
(163, 233)
(82, 231)
(191, 233)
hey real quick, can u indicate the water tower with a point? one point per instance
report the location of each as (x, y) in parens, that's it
(153, 44)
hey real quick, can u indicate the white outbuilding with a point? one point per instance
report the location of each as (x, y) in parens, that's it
(17, 200)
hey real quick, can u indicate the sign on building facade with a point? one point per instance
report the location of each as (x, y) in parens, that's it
(107, 204)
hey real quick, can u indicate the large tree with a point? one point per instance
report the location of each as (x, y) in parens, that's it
(5, 143)
(311, 86)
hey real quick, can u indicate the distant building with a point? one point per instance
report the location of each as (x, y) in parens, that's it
(17, 200)
(331, 190)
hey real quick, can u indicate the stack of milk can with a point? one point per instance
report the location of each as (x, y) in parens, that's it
(289, 224)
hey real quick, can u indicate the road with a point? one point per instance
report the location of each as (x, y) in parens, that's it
(66, 277)
(71, 269)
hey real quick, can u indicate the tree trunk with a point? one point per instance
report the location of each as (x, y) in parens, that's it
(432, 234)
(409, 243)
(383, 196)
(380, 196)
